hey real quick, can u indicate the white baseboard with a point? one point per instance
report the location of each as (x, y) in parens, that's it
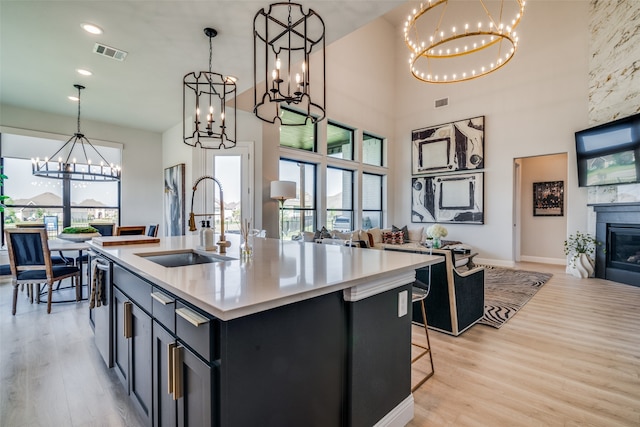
(544, 260)
(495, 262)
(399, 416)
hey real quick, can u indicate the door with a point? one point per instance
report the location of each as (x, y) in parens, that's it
(193, 389)
(140, 383)
(120, 341)
(233, 168)
(164, 407)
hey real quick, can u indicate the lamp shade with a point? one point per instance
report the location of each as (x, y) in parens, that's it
(283, 190)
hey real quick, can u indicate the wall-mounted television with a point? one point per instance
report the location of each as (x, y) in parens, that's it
(609, 153)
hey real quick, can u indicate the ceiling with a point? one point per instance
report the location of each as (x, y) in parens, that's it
(42, 45)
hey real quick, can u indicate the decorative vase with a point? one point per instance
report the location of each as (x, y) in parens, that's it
(436, 243)
(581, 266)
(246, 250)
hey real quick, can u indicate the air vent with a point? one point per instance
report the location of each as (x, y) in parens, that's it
(442, 102)
(109, 52)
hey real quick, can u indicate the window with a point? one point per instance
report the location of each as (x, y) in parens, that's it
(299, 214)
(302, 137)
(33, 198)
(372, 150)
(371, 200)
(339, 141)
(339, 199)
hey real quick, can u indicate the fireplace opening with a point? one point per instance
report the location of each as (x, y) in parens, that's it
(618, 228)
(623, 249)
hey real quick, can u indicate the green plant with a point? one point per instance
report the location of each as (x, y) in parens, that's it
(580, 244)
(79, 230)
(2, 197)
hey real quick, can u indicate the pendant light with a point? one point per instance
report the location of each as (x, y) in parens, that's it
(78, 160)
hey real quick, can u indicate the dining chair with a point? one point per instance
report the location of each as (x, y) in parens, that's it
(105, 229)
(131, 230)
(152, 230)
(30, 262)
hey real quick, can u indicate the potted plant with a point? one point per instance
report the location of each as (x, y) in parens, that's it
(580, 249)
(78, 234)
(436, 232)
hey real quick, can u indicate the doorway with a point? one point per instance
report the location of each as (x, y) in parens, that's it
(232, 167)
(538, 237)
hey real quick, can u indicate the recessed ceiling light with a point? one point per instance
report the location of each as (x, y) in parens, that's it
(73, 98)
(90, 28)
(84, 72)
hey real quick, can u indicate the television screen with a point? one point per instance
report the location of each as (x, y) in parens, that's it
(609, 153)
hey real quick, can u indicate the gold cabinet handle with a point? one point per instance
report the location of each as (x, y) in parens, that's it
(162, 298)
(177, 372)
(128, 324)
(191, 316)
(170, 348)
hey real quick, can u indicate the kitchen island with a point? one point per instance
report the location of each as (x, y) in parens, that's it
(299, 334)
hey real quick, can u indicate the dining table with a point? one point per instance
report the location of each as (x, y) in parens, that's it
(62, 245)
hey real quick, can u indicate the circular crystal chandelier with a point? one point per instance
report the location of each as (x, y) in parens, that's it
(457, 41)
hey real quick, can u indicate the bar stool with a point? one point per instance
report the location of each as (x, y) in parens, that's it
(419, 294)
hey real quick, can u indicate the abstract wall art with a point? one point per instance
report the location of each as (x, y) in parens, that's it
(453, 198)
(449, 147)
(174, 218)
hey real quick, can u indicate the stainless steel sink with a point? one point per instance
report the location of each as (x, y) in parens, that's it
(181, 259)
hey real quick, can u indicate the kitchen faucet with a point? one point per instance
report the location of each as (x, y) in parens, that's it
(223, 243)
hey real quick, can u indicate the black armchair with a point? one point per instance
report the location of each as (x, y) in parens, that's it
(456, 300)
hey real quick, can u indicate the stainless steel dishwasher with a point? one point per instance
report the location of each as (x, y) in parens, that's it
(100, 315)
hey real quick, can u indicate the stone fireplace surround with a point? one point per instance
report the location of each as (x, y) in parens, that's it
(612, 214)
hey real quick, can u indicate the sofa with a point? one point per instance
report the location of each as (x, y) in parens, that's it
(387, 238)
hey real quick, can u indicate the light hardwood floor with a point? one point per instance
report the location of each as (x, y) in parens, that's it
(570, 357)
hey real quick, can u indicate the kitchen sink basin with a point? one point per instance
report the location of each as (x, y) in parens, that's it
(181, 259)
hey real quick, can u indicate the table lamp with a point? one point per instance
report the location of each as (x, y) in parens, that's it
(282, 190)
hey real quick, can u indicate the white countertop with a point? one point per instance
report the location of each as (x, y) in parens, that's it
(280, 272)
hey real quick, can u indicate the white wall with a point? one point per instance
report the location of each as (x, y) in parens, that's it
(542, 237)
(532, 107)
(141, 184)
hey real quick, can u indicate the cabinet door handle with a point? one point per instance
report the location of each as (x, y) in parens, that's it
(191, 316)
(161, 298)
(170, 348)
(128, 324)
(177, 372)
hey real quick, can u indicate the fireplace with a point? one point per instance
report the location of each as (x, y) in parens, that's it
(618, 228)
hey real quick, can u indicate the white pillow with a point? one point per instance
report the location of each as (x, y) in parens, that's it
(415, 234)
(376, 233)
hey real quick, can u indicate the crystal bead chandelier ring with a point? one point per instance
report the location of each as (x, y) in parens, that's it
(446, 48)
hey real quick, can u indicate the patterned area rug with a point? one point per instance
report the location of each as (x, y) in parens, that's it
(506, 291)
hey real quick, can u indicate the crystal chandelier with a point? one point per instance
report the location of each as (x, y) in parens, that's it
(289, 64)
(69, 167)
(453, 42)
(206, 120)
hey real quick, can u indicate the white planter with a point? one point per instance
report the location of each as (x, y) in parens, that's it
(582, 266)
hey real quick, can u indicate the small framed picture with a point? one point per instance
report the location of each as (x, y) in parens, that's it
(548, 198)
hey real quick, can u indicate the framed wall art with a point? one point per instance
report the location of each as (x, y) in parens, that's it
(548, 198)
(454, 198)
(174, 218)
(456, 146)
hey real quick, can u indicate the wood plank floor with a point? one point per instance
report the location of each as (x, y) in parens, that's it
(570, 357)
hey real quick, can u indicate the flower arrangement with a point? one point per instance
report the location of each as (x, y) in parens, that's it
(436, 231)
(580, 244)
